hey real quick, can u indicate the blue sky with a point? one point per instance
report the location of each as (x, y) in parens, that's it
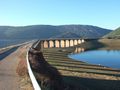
(102, 13)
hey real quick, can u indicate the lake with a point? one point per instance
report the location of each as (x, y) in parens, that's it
(8, 42)
(110, 58)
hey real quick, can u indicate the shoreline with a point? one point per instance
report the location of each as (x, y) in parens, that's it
(67, 62)
(81, 74)
(77, 56)
(4, 49)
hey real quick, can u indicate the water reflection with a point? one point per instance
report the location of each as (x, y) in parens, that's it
(78, 50)
(104, 57)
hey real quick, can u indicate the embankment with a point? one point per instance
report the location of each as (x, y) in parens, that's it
(80, 74)
(54, 63)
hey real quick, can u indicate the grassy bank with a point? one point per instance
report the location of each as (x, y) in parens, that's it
(22, 71)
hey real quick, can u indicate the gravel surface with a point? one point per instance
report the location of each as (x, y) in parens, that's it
(9, 80)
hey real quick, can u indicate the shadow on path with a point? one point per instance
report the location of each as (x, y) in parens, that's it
(6, 53)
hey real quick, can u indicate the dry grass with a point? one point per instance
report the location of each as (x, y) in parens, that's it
(111, 43)
(22, 71)
(22, 68)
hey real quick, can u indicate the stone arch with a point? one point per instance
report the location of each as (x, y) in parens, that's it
(79, 41)
(75, 42)
(67, 43)
(51, 43)
(71, 43)
(82, 40)
(62, 43)
(57, 43)
(45, 44)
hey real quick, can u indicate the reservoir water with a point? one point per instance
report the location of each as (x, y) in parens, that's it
(110, 58)
(8, 42)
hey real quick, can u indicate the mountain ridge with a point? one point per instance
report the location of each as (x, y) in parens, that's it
(48, 31)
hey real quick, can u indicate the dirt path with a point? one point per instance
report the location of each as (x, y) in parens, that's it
(9, 79)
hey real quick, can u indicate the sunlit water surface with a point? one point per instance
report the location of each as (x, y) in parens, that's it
(109, 58)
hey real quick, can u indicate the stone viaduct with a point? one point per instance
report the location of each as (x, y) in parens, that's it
(60, 43)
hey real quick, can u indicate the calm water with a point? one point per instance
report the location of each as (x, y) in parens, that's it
(109, 58)
(8, 42)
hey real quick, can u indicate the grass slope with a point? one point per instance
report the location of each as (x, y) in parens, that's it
(114, 34)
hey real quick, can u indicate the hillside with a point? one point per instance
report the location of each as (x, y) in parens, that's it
(67, 35)
(48, 31)
(114, 34)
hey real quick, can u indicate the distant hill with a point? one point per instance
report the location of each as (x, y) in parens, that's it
(114, 34)
(67, 35)
(49, 31)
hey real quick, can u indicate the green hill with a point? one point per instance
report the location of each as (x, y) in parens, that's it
(48, 31)
(114, 34)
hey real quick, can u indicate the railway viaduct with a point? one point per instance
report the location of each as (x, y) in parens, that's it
(60, 43)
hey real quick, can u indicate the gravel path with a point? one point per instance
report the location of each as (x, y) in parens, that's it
(9, 79)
